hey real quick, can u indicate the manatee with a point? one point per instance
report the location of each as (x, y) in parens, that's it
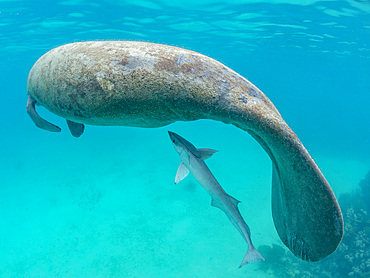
(128, 83)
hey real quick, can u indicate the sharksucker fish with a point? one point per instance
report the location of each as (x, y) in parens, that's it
(144, 84)
(192, 159)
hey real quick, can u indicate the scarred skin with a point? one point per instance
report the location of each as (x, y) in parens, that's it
(114, 83)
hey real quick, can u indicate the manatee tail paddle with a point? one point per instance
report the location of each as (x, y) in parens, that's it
(252, 256)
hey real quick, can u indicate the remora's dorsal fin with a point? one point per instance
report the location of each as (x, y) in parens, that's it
(235, 201)
(206, 153)
(182, 172)
(76, 129)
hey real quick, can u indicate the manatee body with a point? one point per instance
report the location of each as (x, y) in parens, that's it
(141, 84)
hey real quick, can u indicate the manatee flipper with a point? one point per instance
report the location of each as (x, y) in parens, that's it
(76, 129)
(39, 122)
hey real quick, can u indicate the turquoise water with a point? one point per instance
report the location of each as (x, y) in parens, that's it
(105, 205)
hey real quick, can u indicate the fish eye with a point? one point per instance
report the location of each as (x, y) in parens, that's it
(173, 140)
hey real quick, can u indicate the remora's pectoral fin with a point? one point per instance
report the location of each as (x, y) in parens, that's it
(76, 129)
(206, 153)
(181, 174)
(39, 122)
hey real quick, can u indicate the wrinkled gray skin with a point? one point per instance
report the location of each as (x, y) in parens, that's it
(142, 84)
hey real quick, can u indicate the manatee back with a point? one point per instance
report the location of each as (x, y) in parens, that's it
(136, 84)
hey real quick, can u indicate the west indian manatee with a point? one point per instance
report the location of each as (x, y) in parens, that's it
(143, 84)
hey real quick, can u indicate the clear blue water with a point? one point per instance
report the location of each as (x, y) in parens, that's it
(104, 205)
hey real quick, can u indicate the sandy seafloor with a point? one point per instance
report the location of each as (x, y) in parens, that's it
(105, 204)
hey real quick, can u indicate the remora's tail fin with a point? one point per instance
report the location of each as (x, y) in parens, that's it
(252, 256)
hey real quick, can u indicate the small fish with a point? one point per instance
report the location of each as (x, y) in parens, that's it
(192, 160)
